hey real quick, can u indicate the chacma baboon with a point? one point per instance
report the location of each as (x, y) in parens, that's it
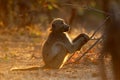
(58, 45)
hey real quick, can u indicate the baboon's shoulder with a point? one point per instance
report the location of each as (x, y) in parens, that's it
(57, 36)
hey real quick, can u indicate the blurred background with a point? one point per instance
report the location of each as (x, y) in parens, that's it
(25, 14)
(24, 26)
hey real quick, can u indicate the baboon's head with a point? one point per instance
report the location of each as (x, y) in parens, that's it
(59, 25)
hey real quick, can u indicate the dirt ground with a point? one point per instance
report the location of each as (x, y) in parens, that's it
(25, 51)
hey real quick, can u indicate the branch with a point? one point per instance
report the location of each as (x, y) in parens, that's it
(98, 28)
(89, 49)
(88, 8)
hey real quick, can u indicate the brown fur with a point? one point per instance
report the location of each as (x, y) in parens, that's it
(58, 45)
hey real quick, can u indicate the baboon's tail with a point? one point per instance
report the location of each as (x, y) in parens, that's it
(27, 69)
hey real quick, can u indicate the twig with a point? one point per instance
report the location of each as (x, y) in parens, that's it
(94, 39)
(97, 10)
(89, 49)
(70, 58)
(88, 8)
(84, 52)
(98, 28)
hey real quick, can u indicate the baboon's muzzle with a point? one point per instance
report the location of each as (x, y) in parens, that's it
(66, 28)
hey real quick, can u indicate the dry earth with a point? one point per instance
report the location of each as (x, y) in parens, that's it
(24, 52)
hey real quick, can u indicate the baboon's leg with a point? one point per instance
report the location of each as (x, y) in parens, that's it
(59, 60)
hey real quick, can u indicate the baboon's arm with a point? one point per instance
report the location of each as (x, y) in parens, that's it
(74, 45)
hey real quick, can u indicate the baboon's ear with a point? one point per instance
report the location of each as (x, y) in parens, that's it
(53, 27)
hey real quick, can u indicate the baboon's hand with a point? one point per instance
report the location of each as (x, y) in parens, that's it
(85, 36)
